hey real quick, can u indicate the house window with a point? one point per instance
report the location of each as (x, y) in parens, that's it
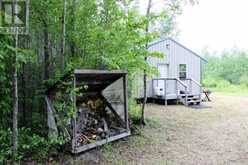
(182, 71)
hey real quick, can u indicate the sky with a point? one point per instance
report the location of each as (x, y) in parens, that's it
(213, 24)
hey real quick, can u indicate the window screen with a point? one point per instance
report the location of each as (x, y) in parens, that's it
(182, 71)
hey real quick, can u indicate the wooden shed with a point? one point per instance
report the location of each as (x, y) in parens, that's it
(89, 108)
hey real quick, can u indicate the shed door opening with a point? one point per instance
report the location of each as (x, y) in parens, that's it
(163, 72)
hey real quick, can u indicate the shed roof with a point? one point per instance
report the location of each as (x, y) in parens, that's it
(99, 72)
(96, 79)
(184, 47)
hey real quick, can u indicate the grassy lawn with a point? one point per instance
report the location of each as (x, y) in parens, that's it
(177, 134)
(180, 135)
(233, 90)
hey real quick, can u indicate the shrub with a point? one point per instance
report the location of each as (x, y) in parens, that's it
(134, 111)
(210, 82)
(223, 84)
(5, 145)
(31, 145)
(244, 81)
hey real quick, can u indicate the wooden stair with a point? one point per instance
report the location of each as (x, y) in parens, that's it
(189, 99)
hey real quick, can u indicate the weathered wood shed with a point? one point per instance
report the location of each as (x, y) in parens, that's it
(89, 108)
(180, 73)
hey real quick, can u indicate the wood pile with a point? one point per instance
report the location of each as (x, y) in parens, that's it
(93, 121)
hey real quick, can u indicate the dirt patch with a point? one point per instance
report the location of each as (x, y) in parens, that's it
(182, 135)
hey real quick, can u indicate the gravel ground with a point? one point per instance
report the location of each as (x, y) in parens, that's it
(179, 135)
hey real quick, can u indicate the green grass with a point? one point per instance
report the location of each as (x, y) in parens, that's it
(111, 152)
(225, 87)
(111, 155)
(153, 122)
(236, 90)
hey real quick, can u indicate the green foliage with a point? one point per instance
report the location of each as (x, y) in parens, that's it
(30, 144)
(230, 66)
(244, 80)
(5, 146)
(6, 56)
(114, 40)
(227, 72)
(106, 34)
(134, 111)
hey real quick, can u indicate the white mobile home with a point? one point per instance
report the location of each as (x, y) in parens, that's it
(180, 73)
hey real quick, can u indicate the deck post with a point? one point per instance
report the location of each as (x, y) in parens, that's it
(176, 88)
(125, 101)
(152, 88)
(190, 86)
(186, 96)
(165, 95)
(200, 98)
(153, 95)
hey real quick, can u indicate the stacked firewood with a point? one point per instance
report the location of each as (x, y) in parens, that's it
(92, 122)
(88, 136)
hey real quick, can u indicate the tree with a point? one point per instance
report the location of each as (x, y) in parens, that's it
(15, 93)
(63, 35)
(110, 34)
(166, 19)
(148, 10)
(72, 45)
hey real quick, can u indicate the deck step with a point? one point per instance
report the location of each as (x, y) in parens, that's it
(189, 96)
(194, 101)
(191, 99)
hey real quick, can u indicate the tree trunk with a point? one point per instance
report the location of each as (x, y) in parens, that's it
(46, 51)
(63, 23)
(23, 77)
(15, 101)
(15, 90)
(73, 47)
(145, 72)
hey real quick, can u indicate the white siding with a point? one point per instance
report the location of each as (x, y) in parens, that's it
(175, 54)
(161, 48)
(179, 55)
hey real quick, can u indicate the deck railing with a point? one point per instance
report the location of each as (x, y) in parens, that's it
(183, 88)
(178, 84)
(186, 91)
(197, 87)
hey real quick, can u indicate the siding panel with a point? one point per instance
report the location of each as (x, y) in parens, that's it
(174, 54)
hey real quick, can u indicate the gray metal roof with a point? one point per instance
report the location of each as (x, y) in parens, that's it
(99, 79)
(99, 72)
(165, 39)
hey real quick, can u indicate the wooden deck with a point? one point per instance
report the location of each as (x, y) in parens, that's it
(186, 91)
